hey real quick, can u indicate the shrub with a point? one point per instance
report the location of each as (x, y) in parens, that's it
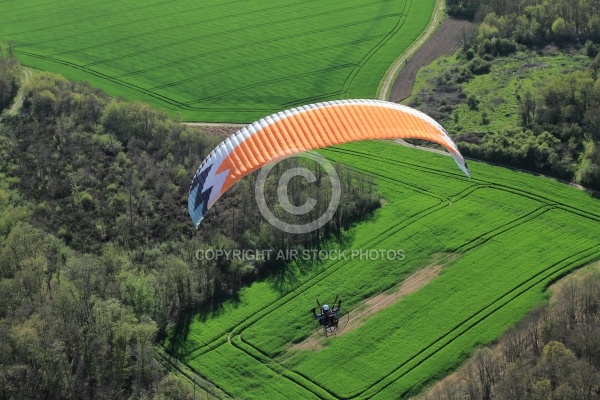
(473, 103)
(479, 67)
(591, 49)
(505, 47)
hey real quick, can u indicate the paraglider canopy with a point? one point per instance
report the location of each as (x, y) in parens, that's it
(305, 128)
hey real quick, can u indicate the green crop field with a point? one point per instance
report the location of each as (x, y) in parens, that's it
(501, 238)
(226, 60)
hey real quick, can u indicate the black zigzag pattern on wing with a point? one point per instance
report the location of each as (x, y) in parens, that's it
(201, 196)
(200, 178)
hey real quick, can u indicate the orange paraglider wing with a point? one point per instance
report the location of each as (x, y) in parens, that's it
(305, 128)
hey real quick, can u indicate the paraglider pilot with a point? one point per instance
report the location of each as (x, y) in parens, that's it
(328, 316)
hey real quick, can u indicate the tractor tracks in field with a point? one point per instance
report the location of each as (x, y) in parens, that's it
(350, 78)
(233, 334)
(555, 270)
(193, 105)
(314, 280)
(146, 34)
(589, 214)
(471, 321)
(453, 334)
(236, 332)
(204, 103)
(78, 16)
(191, 376)
(445, 153)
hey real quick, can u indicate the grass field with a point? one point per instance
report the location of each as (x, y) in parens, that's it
(501, 237)
(227, 60)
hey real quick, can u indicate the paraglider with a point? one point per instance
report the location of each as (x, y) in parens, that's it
(330, 320)
(305, 128)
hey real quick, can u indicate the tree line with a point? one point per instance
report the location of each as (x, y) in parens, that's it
(10, 72)
(536, 22)
(554, 353)
(97, 252)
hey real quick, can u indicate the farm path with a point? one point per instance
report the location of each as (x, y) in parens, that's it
(444, 42)
(18, 101)
(392, 72)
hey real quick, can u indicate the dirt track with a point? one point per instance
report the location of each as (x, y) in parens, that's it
(444, 42)
(224, 129)
(18, 100)
(373, 305)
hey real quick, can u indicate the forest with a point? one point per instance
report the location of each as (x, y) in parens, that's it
(559, 123)
(97, 252)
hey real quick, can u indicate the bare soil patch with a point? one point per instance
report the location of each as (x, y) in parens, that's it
(375, 304)
(216, 129)
(444, 42)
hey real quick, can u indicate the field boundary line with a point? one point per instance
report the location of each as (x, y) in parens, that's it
(384, 89)
(402, 19)
(186, 372)
(214, 124)
(280, 369)
(532, 195)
